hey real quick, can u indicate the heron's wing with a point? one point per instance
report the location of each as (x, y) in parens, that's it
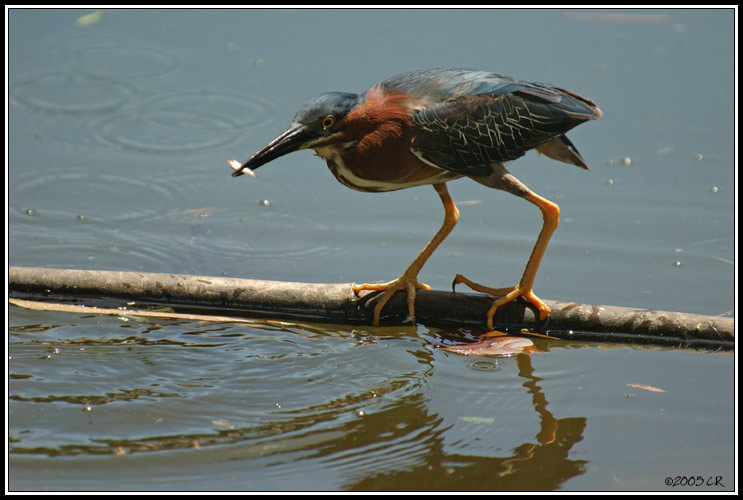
(469, 132)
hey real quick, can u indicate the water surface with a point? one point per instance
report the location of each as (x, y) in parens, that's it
(120, 127)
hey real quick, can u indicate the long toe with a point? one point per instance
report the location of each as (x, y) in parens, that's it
(505, 295)
(544, 309)
(497, 292)
(410, 285)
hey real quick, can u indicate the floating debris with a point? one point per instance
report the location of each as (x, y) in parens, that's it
(504, 346)
(198, 211)
(646, 387)
(221, 422)
(89, 19)
(616, 17)
(723, 260)
(478, 420)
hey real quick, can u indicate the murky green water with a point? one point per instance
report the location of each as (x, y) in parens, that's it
(119, 133)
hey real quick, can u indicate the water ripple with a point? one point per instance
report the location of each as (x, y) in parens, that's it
(111, 56)
(65, 195)
(61, 91)
(184, 122)
(296, 237)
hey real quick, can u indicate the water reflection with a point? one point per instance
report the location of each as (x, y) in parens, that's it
(383, 435)
(531, 466)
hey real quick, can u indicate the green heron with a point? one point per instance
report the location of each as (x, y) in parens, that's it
(434, 126)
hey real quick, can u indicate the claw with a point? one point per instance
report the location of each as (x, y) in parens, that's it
(410, 285)
(506, 295)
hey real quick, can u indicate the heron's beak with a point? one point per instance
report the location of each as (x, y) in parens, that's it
(291, 140)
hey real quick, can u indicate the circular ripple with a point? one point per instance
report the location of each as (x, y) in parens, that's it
(64, 92)
(185, 122)
(112, 57)
(268, 244)
(65, 195)
(101, 251)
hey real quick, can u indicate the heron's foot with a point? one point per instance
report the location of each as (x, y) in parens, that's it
(408, 283)
(505, 295)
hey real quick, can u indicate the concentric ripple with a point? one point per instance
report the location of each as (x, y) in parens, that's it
(113, 57)
(265, 246)
(184, 123)
(66, 195)
(65, 92)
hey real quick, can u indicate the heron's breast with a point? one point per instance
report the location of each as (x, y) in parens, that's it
(387, 169)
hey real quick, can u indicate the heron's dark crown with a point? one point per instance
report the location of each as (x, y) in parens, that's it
(337, 104)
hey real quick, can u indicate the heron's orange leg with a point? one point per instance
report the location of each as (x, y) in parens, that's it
(551, 216)
(409, 279)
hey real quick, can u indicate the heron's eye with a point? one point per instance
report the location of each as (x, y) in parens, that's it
(328, 122)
